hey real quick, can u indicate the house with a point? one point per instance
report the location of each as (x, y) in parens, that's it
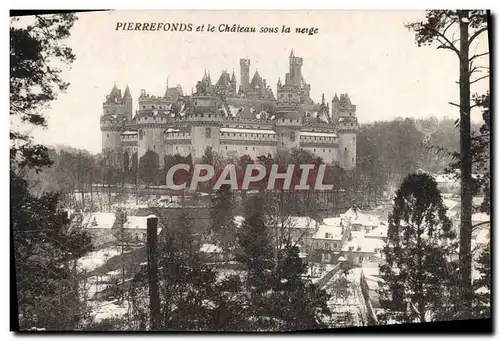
(327, 241)
(101, 226)
(360, 221)
(379, 232)
(136, 228)
(362, 251)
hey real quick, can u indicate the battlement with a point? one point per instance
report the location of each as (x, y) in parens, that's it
(347, 124)
(112, 121)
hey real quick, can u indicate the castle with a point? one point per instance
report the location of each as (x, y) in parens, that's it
(248, 119)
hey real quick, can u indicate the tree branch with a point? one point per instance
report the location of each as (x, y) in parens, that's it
(478, 79)
(477, 33)
(450, 45)
(454, 104)
(478, 55)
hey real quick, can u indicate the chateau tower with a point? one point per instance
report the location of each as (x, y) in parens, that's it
(295, 69)
(346, 122)
(116, 110)
(244, 73)
(127, 104)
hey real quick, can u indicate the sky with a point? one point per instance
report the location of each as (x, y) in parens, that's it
(368, 54)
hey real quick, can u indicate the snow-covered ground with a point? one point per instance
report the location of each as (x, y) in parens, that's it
(106, 310)
(97, 258)
(349, 311)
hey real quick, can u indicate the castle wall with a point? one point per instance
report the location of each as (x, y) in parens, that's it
(347, 150)
(111, 139)
(203, 137)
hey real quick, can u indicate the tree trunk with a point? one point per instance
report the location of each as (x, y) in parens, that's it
(465, 167)
(154, 296)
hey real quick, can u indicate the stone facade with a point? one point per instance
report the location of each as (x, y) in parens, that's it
(233, 120)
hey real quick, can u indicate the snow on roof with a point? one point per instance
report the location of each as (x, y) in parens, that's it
(361, 244)
(247, 131)
(332, 230)
(332, 221)
(129, 133)
(138, 223)
(99, 220)
(378, 232)
(480, 217)
(365, 220)
(210, 248)
(312, 133)
(171, 130)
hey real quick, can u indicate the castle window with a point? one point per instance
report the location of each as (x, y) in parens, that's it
(246, 148)
(346, 149)
(107, 135)
(209, 115)
(334, 245)
(153, 107)
(292, 136)
(323, 150)
(353, 139)
(253, 148)
(202, 115)
(351, 124)
(352, 159)
(154, 147)
(143, 107)
(226, 147)
(176, 147)
(314, 150)
(290, 121)
(208, 133)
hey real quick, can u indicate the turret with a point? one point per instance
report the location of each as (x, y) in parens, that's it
(233, 82)
(127, 104)
(295, 69)
(347, 127)
(244, 73)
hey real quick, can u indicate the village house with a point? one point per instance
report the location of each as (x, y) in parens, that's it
(103, 228)
(327, 241)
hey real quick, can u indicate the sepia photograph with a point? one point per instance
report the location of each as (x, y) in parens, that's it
(250, 171)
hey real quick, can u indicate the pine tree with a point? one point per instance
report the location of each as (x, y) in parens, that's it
(255, 245)
(45, 255)
(420, 280)
(222, 224)
(482, 286)
(439, 28)
(296, 302)
(149, 166)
